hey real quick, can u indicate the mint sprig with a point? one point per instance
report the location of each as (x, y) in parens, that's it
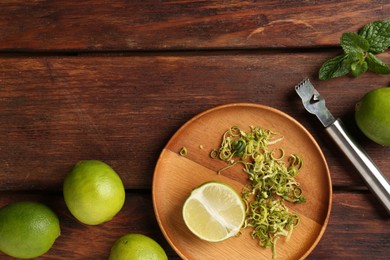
(359, 52)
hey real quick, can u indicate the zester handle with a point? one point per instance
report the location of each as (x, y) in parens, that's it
(371, 174)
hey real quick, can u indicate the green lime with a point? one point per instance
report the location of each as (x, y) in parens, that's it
(93, 192)
(214, 211)
(27, 229)
(372, 115)
(137, 247)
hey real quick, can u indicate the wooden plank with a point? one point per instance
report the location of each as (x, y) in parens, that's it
(123, 110)
(191, 24)
(80, 241)
(357, 225)
(358, 229)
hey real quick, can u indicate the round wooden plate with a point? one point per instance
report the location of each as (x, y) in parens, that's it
(175, 176)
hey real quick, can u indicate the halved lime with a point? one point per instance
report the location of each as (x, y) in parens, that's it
(214, 211)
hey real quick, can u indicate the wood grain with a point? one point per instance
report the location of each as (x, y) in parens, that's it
(363, 229)
(55, 111)
(166, 25)
(362, 236)
(80, 241)
(114, 80)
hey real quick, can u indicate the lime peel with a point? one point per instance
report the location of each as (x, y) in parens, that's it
(214, 211)
(27, 229)
(272, 181)
(93, 192)
(372, 115)
(136, 247)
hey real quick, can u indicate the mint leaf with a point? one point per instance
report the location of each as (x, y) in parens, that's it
(358, 68)
(378, 35)
(353, 43)
(376, 65)
(334, 67)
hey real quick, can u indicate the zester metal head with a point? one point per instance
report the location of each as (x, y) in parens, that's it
(314, 102)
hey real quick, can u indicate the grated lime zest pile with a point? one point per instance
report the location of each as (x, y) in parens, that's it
(272, 182)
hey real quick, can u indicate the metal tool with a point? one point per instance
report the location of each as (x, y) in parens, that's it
(373, 177)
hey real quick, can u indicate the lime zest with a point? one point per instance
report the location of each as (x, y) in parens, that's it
(183, 151)
(272, 181)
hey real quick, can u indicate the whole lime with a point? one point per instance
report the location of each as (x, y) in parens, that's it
(372, 115)
(137, 247)
(27, 229)
(93, 192)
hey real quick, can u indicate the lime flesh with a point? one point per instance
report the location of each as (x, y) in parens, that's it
(214, 212)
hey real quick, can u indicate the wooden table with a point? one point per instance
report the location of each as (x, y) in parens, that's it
(114, 80)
